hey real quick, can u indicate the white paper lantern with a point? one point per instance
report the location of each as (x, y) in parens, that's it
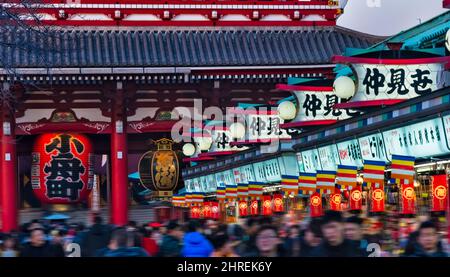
(344, 87)
(204, 143)
(188, 149)
(287, 110)
(447, 40)
(237, 130)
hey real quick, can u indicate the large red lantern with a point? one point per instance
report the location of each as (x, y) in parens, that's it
(267, 205)
(215, 210)
(315, 205)
(278, 203)
(356, 199)
(377, 197)
(243, 208)
(62, 168)
(254, 208)
(335, 201)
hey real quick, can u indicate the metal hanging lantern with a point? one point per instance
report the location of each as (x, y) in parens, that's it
(159, 170)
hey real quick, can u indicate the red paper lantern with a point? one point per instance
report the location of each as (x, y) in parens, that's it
(315, 205)
(243, 208)
(254, 208)
(377, 198)
(62, 168)
(267, 205)
(278, 203)
(356, 199)
(440, 192)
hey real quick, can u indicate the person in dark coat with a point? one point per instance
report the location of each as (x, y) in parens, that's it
(195, 244)
(292, 243)
(120, 246)
(38, 246)
(427, 242)
(334, 242)
(353, 231)
(248, 246)
(311, 238)
(170, 244)
(96, 238)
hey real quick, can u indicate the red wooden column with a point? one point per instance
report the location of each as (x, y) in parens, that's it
(8, 174)
(119, 161)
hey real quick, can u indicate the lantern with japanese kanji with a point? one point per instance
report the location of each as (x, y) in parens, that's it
(62, 168)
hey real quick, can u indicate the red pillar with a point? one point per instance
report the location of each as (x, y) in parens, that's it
(8, 176)
(119, 164)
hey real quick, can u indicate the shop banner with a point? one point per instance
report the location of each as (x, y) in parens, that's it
(335, 201)
(267, 205)
(440, 191)
(310, 161)
(350, 152)
(264, 126)
(377, 198)
(254, 207)
(329, 157)
(278, 203)
(315, 205)
(318, 105)
(382, 81)
(372, 148)
(424, 139)
(356, 199)
(408, 199)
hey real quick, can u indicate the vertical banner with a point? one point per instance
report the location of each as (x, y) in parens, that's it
(335, 200)
(355, 199)
(195, 212)
(278, 203)
(95, 196)
(267, 205)
(207, 209)
(215, 211)
(440, 189)
(377, 198)
(254, 207)
(201, 210)
(315, 205)
(243, 208)
(408, 199)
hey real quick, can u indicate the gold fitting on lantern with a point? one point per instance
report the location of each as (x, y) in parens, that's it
(164, 144)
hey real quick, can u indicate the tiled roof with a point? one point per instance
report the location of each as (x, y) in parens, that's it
(190, 48)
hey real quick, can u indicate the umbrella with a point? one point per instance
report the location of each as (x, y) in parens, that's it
(57, 217)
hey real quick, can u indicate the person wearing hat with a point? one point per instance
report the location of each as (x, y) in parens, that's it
(334, 243)
(170, 244)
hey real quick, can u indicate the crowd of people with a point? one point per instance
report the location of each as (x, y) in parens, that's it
(333, 235)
